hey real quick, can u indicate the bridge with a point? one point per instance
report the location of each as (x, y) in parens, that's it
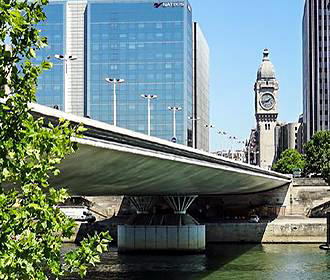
(116, 161)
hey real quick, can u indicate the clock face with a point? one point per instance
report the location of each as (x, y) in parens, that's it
(267, 101)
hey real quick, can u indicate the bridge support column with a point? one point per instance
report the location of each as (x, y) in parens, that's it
(180, 204)
(173, 232)
(142, 204)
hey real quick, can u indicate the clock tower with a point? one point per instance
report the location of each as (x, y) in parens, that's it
(266, 92)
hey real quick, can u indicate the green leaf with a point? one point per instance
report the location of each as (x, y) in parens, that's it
(32, 52)
(46, 65)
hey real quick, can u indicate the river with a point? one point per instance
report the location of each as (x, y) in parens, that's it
(221, 261)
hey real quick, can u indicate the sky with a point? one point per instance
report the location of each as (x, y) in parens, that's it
(237, 32)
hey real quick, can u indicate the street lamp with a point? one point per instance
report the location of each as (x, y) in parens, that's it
(174, 109)
(221, 133)
(209, 126)
(193, 130)
(232, 138)
(114, 82)
(149, 97)
(65, 58)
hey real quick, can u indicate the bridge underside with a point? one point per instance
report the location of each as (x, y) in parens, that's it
(102, 168)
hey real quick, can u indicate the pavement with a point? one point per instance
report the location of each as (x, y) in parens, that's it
(295, 220)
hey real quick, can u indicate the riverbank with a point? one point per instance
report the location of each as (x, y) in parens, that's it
(283, 230)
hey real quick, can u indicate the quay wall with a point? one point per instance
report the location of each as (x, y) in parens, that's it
(274, 232)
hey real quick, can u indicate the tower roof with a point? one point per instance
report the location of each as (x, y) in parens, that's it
(266, 69)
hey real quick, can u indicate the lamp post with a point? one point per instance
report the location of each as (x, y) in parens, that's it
(209, 126)
(114, 82)
(221, 133)
(174, 109)
(65, 58)
(232, 138)
(149, 97)
(193, 130)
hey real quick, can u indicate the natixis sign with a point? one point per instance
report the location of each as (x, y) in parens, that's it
(168, 4)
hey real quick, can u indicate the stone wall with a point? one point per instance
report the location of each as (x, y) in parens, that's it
(305, 194)
(275, 232)
(107, 206)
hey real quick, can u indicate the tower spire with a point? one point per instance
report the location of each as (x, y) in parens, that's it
(266, 55)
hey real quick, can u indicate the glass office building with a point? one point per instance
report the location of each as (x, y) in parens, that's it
(51, 83)
(151, 49)
(201, 88)
(316, 65)
(147, 43)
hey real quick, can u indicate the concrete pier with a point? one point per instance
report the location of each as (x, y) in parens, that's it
(189, 238)
(174, 230)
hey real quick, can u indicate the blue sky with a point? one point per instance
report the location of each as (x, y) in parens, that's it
(237, 32)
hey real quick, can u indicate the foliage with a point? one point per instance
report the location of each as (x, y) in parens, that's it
(317, 152)
(31, 226)
(289, 159)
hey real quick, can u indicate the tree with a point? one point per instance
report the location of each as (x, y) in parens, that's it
(31, 226)
(289, 159)
(317, 153)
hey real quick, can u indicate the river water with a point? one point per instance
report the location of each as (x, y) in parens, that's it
(221, 261)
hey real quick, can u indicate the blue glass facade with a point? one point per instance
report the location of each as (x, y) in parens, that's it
(151, 48)
(51, 83)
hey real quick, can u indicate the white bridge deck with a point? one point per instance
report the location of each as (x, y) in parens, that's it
(117, 161)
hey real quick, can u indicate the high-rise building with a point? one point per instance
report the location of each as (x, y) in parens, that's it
(148, 44)
(201, 89)
(316, 46)
(286, 137)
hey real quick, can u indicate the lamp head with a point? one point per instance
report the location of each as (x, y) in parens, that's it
(59, 56)
(109, 80)
(71, 57)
